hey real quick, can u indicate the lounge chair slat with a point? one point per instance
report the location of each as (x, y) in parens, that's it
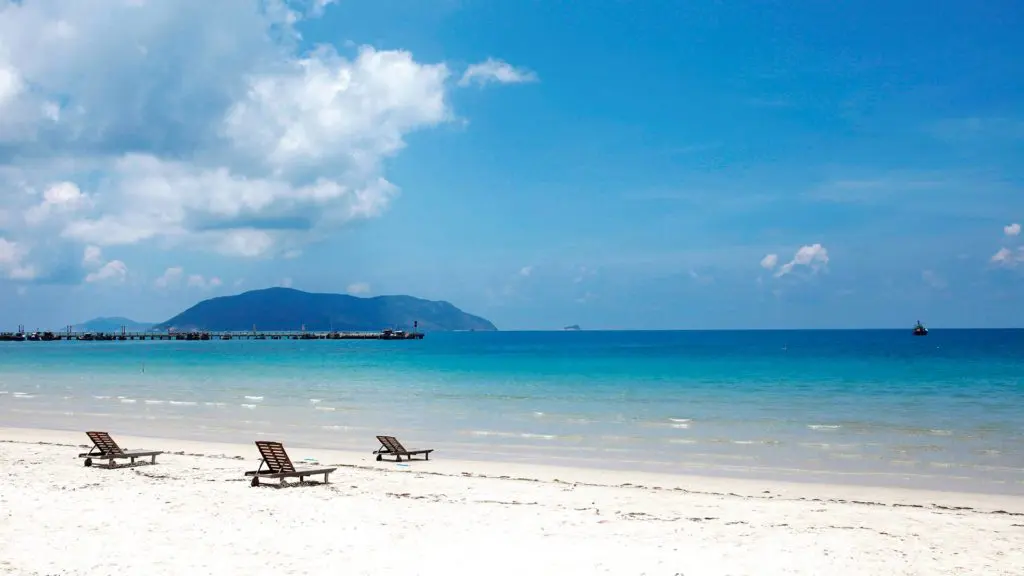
(279, 465)
(104, 448)
(391, 445)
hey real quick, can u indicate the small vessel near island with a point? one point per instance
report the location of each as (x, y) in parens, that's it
(920, 330)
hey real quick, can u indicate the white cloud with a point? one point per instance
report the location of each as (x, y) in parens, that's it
(291, 254)
(526, 271)
(200, 125)
(92, 256)
(358, 288)
(171, 277)
(813, 256)
(1012, 229)
(492, 70)
(115, 271)
(1008, 258)
(769, 261)
(285, 283)
(61, 198)
(12, 261)
(933, 280)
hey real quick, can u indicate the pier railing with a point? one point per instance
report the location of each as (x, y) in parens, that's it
(207, 335)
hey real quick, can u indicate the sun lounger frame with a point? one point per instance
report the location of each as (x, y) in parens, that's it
(104, 448)
(391, 445)
(280, 466)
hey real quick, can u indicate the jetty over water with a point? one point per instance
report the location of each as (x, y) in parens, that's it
(123, 335)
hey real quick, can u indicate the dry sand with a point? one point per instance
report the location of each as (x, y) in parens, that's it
(194, 513)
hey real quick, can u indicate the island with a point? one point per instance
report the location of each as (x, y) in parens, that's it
(287, 309)
(573, 328)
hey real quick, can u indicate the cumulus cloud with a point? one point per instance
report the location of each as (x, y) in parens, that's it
(933, 280)
(1008, 258)
(358, 288)
(526, 271)
(170, 278)
(769, 261)
(12, 261)
(61, 198)
(198, 281)
(113, 271)
(1012, 229)
(92, 256)
(496, 71)
(813, 257)
(199, 125)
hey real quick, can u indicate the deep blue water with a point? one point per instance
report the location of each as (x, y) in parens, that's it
(848, 405)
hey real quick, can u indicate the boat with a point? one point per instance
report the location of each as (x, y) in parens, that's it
(920, 330)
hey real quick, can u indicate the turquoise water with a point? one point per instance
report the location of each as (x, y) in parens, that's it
(944, 411)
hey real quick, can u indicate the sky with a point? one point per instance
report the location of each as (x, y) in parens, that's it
(617, 165)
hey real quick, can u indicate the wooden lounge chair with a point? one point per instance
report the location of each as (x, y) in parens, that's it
(280, 466)
(104, 448)
(391, 445)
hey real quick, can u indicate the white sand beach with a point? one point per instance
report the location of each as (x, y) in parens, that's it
(195, 513)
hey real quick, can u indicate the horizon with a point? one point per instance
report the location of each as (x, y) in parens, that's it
(619, 166)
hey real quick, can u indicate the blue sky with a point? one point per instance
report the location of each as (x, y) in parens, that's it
(613, 164)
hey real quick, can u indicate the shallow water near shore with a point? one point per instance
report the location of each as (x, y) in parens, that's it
(869, 407)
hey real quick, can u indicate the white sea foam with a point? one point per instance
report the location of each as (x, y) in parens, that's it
(214, 404)
(941, 432)
(538, 436)
(538, 414)
(824, 426)
(255, 398)
(325, 408)
(23, 395)
(102, 397)
(315, 400)
(680, 420)
(181, 403)
(154, 401)
(681, 441)
(681, 426)
(3, 392)
(126, 400)
(249, 406)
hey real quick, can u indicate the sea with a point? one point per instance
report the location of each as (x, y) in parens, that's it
(883, 407)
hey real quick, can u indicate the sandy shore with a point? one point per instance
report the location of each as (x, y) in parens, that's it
(194, 513)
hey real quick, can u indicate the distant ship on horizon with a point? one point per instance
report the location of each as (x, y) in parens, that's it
(920, 330)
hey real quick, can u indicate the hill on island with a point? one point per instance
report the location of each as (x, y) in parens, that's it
(288, 309)
(113, 324)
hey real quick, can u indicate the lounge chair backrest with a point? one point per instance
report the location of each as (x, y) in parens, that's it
(105, 443)
(275, 457)
(392, 444)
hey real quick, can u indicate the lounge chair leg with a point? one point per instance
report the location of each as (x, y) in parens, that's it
(379, 458)
(153, 461)
(325, 478)
(398, 458)
(255, 481)
(88, 462)
(132, 463)
(110, 463)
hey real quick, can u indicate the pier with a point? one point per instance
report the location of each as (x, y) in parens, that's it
(198, 335)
